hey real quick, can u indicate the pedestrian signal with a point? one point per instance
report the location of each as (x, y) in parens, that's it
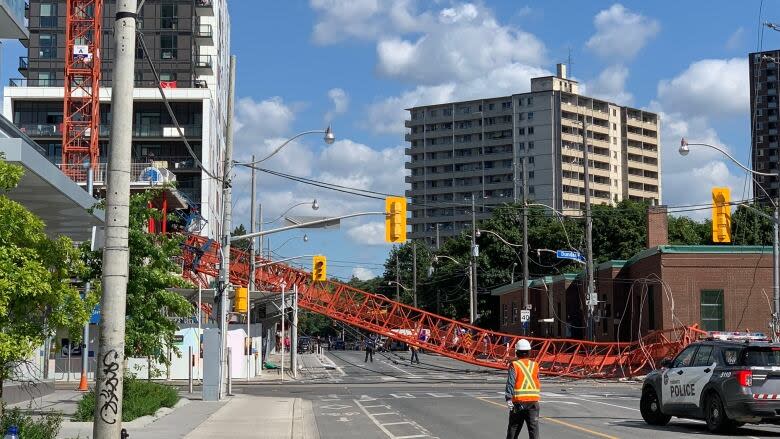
(241, 302)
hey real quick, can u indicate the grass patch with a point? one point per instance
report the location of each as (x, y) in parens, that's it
(141, 398)
(41, 427)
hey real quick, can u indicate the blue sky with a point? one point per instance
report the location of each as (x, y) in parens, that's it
(358, 63)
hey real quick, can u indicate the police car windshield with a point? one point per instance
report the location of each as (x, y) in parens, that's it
(762, 356)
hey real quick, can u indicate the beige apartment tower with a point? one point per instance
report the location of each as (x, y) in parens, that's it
(478, 149)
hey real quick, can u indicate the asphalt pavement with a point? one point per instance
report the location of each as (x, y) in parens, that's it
(442, 398)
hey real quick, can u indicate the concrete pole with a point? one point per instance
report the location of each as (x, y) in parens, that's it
(588, 236)
(200, 325)
(776, 273)
(294, 336)
(438, 242)
(252, 268)
(526, 299)
(414, 273)
(397, 278)
(227, 206)
(111, 349)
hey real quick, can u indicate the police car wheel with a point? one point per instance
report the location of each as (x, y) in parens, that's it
(650, 407)
(715, 415)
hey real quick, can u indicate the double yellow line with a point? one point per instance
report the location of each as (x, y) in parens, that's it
(559, 422)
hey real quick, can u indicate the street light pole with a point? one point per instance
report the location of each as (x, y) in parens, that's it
(526, 301)
(590, 287)
(397, 279)
(473, 264)
(414, 273)
(109, 374)
(83, 386)
(774, 324)
(252, 268)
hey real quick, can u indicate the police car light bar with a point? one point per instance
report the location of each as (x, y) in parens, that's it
(738, 336)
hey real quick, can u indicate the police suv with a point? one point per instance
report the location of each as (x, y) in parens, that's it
(728, 379)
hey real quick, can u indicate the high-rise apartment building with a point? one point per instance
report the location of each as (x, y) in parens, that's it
(764, 83)
(478, 148)
(189, 44)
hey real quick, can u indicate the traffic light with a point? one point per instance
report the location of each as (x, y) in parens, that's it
(319, 268)
(721, 215)
(241, 302)
(395, 219)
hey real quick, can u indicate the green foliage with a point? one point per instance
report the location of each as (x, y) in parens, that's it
(619, 232)
(685, 231)
(36, 293)
(312, 324)
(43, 426)
(242, 244)
(152, 310)
(140, 398)
(748, 227)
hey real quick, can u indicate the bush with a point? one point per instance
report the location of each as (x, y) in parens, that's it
(141, 398)
(45, 426)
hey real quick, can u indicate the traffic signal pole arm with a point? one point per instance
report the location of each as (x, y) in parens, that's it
(307, 224)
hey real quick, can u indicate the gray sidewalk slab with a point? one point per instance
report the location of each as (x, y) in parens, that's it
(246, 416)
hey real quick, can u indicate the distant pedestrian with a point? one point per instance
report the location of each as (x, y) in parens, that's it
(522, 393)
(370, 346)
(287, 344)
(414, 355)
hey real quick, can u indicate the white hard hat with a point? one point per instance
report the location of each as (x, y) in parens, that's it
(523, 345)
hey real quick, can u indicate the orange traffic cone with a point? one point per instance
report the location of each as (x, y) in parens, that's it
(83, 387)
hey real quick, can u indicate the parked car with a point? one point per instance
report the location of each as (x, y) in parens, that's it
(339, 345)
(304, 344)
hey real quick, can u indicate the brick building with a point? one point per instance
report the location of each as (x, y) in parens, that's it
(718, 287)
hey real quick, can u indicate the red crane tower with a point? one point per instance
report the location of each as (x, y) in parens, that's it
(81, 112)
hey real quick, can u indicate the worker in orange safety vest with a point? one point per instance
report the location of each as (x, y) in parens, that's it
(522, 393)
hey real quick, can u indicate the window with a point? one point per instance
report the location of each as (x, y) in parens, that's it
(521, 146)
(166, 77)
(514, 312)
(506, 105)
(521, 131)
(168, 45)
(712, 310)
(530, 130)
(530, 160)
(48, 15)
(45, 79)
(530, 189)
(530, 115)
(530, 175)
(492, 107)
(48, 43)
(614, 126)
(520, 116)
(685, 358)
(614, 112)
(168, 19)
(530, 144)
(505, 313)
(731, 355)
(465, 110)
(530, 101)
(703, 357)
(614, 140)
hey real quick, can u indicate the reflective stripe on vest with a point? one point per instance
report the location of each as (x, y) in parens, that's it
(526, 388)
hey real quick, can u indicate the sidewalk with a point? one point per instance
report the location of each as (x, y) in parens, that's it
(246, 416)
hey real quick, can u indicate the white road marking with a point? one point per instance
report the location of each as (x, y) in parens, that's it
(397, 423)
(381, 426)
(402, 370)
(375, 406)
(604, 403)
(440, 395)
(385, 414)
(403, 395)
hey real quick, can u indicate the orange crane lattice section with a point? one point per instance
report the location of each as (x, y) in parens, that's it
(376, 313)
(81, 112)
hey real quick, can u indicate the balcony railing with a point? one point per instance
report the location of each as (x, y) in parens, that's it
(55, 130)
(24, 63)
(139, 173)
(204, 31)
(24, 82)
(203, 62)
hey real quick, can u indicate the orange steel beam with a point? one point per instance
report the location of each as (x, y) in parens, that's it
(448, 337)
(81, 103)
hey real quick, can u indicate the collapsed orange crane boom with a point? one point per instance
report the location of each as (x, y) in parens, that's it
(376, 313)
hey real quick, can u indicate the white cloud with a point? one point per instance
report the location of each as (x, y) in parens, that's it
(262, 119)
(709, 88)
(363, 273)
(735, 40)
(387, 116)
(339, 20)
(340, 100)
(372, 233)
(621, 33)
(611, 85)
(464, 43)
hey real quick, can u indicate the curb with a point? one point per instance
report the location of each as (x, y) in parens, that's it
(143, 421)
(326, 362)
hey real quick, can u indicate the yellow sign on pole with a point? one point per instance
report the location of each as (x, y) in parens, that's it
(721, 215)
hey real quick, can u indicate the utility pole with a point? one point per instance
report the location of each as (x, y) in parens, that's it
(83, 386)
(414, 273)
(438, 242)
(227, 206)
(526, 302)
(109, 385)
(294, 334)
(473, 264)
(252, 267)
(397, 278)
(590, 286)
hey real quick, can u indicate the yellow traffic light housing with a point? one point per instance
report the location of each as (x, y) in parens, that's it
(319, 268)
(395, 219)
(721, 215)
(241, 302)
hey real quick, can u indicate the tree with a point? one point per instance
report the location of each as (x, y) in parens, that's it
(152, 310)
(36, 292)
(242, 244)
(748, 227)
(685, 231)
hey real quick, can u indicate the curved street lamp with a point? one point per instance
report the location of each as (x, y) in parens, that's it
(314, 206)
(775, 323)
(304, 237)
(480, 231)
(329, 138)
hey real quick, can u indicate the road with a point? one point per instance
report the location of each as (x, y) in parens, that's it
(443, 398)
